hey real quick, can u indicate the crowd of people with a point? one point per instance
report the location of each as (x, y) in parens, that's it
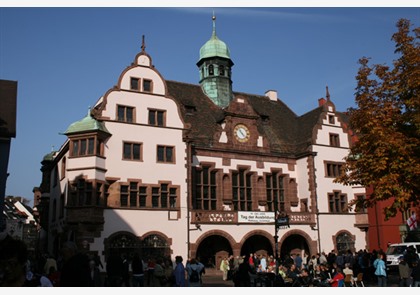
(76, 268)
(320, 270)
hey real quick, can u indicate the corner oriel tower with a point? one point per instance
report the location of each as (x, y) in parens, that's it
(215, 68)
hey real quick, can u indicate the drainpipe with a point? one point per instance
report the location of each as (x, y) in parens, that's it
(189, 176)
(316, 202)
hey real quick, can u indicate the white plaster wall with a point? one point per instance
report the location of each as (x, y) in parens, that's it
(303, 179)
(142, 102)
(147, 135)
(323, 136)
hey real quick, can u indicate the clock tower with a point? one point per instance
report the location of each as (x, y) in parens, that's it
(215, 68)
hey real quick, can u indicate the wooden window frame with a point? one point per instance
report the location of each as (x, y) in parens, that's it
(154, 113)
(143, 84)
(165, 154)
(77, 144)
(132, 79)
(333, 169)
(334, 140)
(337, 202)
(242, 190)
(131, 158)
(275, 190)
(125, 117)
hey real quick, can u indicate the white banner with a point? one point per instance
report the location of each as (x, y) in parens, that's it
(255, 217)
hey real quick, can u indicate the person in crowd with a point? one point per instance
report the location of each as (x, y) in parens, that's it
(404, 273)
(169, 280)
(415, 274)
(304, 278)
(158, 277)
(347, 269)
(194, 271)
(224, 267)
(13, 258)
(76, 270)
(298, 261)
(380, 270)
(179, 272)
(125, 282)
(49, 262)
(95, 274)
(137, 279)
(338, 279)
(114, 270)
(242, 276)
(292, 274)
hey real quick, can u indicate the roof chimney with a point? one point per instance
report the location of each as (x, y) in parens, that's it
(271, 94)
(321, 101)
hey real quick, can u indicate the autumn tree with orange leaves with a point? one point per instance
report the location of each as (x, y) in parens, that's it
(386, 122)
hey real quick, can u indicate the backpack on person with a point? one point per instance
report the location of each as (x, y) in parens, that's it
(194, 277)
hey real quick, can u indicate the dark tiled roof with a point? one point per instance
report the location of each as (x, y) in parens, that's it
(287, 133)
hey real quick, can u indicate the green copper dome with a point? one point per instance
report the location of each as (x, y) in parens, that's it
(214, 47)
(88, 123)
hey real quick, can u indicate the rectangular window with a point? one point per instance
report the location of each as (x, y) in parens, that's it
(132, 151)
(334, 140)
(333, 169)
(125, 114)
(172, 197)
(337, 203)
(142, 196)
(205, 189)
(147, 85)
(275, 192)
(124, 196)
(165, 154)
(133, 194)
(134, 83)
(155, 197)
(242, 191)
(83, 147)
(157, 117)
(331, 119)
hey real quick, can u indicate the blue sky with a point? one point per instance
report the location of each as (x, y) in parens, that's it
(64, 59)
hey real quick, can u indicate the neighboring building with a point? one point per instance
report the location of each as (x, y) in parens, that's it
(170, 168)
(8, 98)
(21, 221)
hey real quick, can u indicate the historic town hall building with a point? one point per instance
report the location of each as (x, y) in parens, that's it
(170, 168)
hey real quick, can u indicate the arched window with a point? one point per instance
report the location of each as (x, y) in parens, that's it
(155, 245)
(211, 70)
(344, 242)
(221, 70)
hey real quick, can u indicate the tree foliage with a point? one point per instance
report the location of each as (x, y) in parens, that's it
(386, 123)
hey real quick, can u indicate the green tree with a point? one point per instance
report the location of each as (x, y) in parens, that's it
(386, 124)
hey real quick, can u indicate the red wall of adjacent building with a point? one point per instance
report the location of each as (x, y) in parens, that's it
(382, 232)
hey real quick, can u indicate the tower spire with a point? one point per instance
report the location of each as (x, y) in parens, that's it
(328, 94)
(143, 44)
(214, 24)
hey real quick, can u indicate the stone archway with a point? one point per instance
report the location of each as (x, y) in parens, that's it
(295, 241)
(212, 246)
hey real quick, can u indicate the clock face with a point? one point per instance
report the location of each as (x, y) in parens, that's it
(241, 133)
